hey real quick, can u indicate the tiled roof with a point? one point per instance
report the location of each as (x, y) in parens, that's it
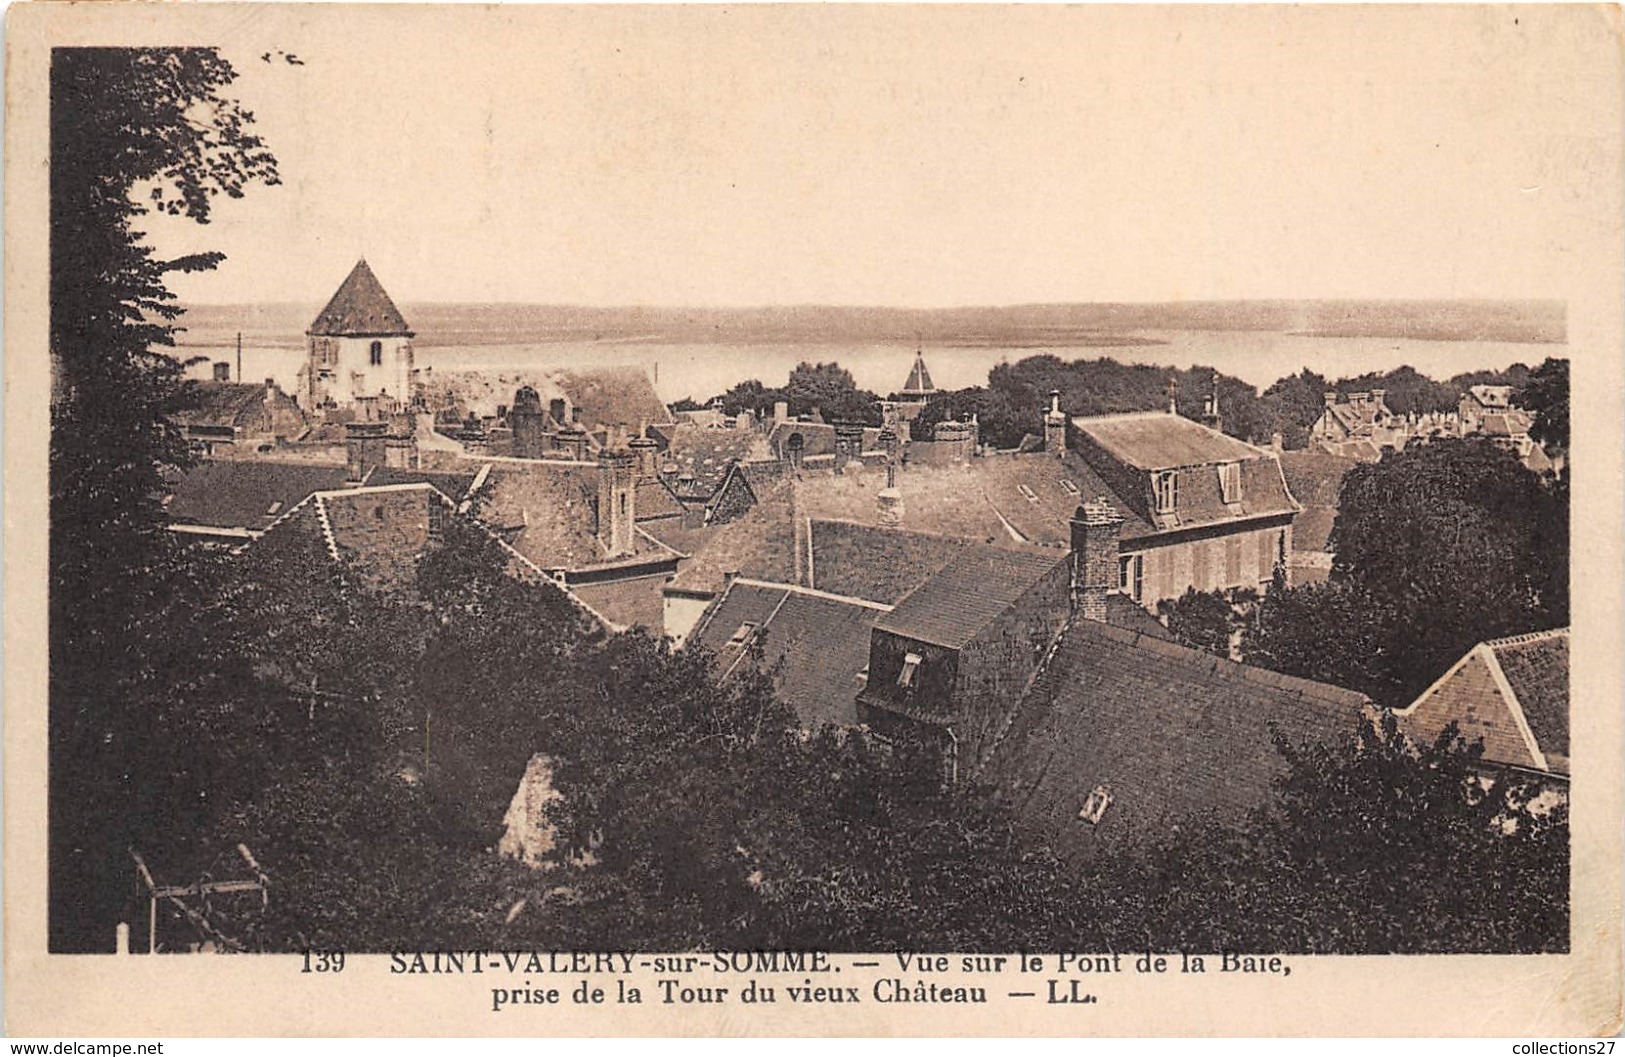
(968, 594)
(548, 511)
(1511, 694)
(1506, 424)
(629, 603)
(361, 308)
(702, 456)
(1005, 500)
(220, 403)
(655, 502)
(1537, 668)
(1155, 440)
(815, 644)
(246, 493)
(1315, 480)
(760, 544)
(453, 483)
(880, 564)
(1172, 733)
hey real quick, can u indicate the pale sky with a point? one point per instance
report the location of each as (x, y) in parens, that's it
(913, 156)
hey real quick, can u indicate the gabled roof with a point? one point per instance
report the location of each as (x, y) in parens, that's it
(330, 523)
(968, 594)
(1316, 481)
(1512, 693)
(220, 403)
(1170, 732)
(1156, 440)
(760, 544)
(919, 379)
(1498, 397)
(548, 511)
(360, 308)
(702, 457)
(816, 644)
(246, 494)
(1012, 500)
(880, 564)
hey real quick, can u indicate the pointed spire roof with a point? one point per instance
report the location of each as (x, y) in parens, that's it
(361, 308)
(919, 379)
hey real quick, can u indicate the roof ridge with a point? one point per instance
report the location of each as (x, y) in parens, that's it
(1224, 667)
(1526, 637)
(813, 592)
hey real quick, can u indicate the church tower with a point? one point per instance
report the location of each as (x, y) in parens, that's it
(360, 351)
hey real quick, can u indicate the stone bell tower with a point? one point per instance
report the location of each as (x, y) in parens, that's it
(359, 354)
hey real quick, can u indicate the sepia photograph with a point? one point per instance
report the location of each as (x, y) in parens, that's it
(942, 517)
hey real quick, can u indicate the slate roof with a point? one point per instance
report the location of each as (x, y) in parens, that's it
(1315, 480)
(548, 511)
(246, 493)
(815, 644)
(879, 564)
(760, 544)
(919, 379)
(1156, 440)
(629, 603)
(360, 308)
(453, 483)
(220, 403)
(1512, 694)
(702, 457)
(1173, 733)
(656, 502)
(981, 499)
(968, 594)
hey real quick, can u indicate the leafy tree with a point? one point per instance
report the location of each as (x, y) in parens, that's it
(124, 122)
(829, 388)
(1546, 397)
(1437, 548)
(1364, 850)
(1205, 620)
(1407, 390)
(1297, 402)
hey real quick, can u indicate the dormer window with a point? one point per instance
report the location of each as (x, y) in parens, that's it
(1230, 481)
(274, 508)
(910, 672)
(1070, 488)
(741, 636)
(1095, 805)
(1166, 484)
(1027, 493)
(376, 353)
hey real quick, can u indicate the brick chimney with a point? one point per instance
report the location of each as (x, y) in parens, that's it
(365, 448)
(401, 443)
(617, 501)
(1330, 397)
(1055, 425)
(1095, 526)
(525, 419)
(645, 451)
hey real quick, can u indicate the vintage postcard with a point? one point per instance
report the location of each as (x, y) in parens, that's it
(813, 520)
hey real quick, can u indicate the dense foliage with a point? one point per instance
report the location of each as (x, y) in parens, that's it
(131, 130)
(1437, 548)
(824, 388)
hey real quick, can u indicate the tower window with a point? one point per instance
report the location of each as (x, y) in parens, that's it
(377, 353)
